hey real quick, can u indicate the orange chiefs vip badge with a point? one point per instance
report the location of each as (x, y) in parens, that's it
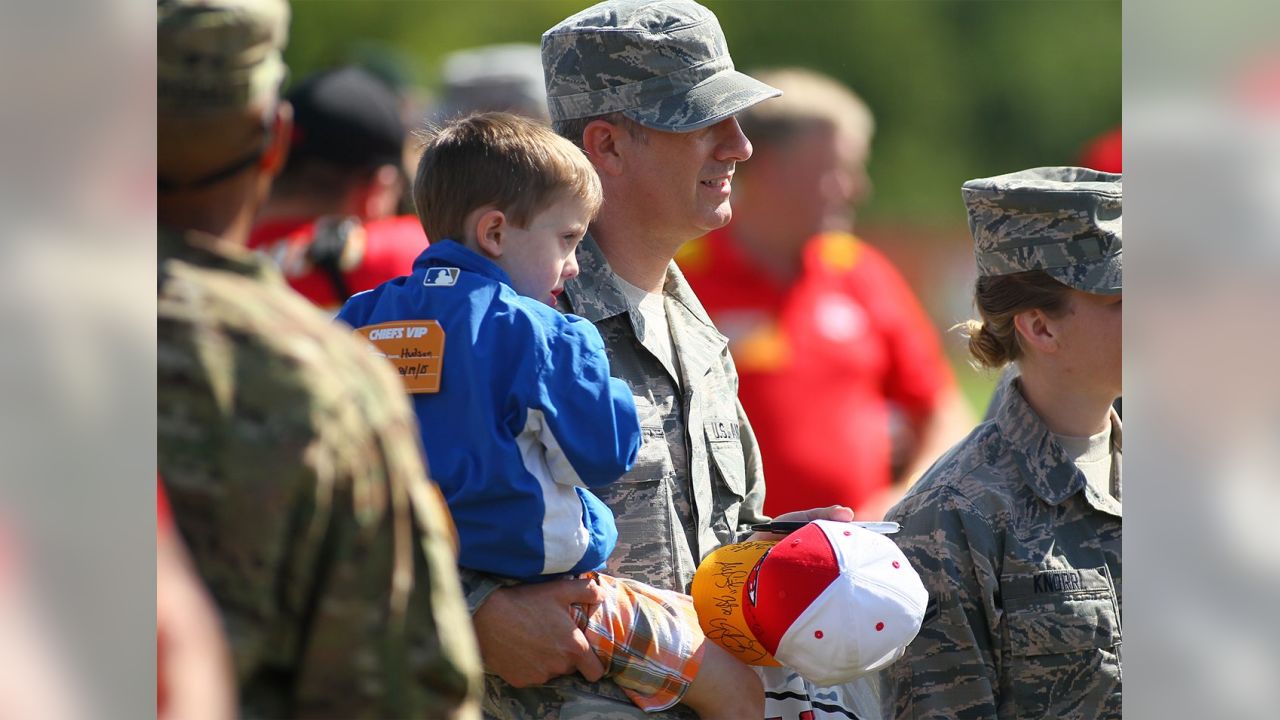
(414, 347)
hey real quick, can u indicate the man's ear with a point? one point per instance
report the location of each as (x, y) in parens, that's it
(491, 228)
(601, 140)
(277, 150)
(1037, 330)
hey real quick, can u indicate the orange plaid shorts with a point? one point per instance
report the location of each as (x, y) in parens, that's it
(648, 640)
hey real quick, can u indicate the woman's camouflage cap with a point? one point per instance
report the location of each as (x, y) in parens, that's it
(219, 54)
(664, 64)
(1062, 220)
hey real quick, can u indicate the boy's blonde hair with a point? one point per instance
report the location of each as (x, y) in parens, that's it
(497, 159)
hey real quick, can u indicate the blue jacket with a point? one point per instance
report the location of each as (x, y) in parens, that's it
(526, 416)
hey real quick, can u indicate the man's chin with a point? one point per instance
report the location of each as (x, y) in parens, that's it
(718, 218)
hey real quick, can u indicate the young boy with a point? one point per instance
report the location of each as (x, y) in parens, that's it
(517, 410)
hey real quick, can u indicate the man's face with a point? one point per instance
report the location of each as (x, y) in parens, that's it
(812, 181)
(682, 181)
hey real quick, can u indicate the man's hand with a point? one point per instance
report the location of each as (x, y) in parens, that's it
(527, 634)
(838, 513)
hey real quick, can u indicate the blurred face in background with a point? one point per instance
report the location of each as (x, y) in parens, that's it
(805, 185)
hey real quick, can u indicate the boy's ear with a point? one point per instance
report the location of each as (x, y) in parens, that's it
(491, 228)
(600, 140)
(1037, 330)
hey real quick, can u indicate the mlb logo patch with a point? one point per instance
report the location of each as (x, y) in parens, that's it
(440, 277)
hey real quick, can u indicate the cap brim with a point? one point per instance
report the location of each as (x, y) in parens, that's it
(1103, 276)
(717, 597)
(720, 96)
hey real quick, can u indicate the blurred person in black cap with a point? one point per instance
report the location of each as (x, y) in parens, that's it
(331, 222)
(290, 455)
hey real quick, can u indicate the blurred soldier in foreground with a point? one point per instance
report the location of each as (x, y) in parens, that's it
(1016, 531)
(289, 453)
(330, 222)
(830, 342)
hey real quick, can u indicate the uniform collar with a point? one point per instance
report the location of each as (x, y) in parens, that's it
(1042, 461)
(455, 254)
(596, 295)
(205, 250)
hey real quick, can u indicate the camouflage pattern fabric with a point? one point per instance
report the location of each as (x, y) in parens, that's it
(1065, 221)
(1021, 558)
(292, 464)
(665, 65)
(696, 485)
(219, 54)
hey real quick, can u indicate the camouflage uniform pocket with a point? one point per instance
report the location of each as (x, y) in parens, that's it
(730, 467)
(725, 447)
(1063, 633)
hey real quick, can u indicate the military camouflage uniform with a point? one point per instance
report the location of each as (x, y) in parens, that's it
(294, 472)
(1062, 220)
(696, 484)
(1021, 557)
(1020, 551)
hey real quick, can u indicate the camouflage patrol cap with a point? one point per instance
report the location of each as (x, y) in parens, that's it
(219, 54)
(1062, 220)
(663, 64)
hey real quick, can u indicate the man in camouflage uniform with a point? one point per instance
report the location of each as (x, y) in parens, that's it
(290, 455)
(649, 91)
(1019, 543)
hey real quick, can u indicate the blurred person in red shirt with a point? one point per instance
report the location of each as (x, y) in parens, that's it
(1104, 152)
(830, 343)
(193, 662)
(331, 222)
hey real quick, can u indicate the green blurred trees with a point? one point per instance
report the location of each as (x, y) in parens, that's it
(959, 89)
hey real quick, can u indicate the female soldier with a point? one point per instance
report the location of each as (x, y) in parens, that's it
(1016, 530)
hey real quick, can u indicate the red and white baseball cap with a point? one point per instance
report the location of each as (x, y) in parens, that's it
(832, 601)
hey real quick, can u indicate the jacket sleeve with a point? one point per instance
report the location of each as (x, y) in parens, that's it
(952, 668)
(589, 424)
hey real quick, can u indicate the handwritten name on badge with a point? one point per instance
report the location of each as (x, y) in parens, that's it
(415, 348)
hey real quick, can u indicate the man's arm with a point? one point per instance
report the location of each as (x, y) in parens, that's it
(944, 426)
(946, 423)
(751, 512)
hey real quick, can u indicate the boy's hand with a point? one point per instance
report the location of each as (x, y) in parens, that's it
(838, 513)
(527, 634)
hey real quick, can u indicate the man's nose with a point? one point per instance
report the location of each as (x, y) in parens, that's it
(732, 144)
